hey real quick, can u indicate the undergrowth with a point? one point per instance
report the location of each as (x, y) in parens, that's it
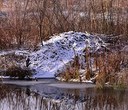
(19, 72)
(107, 67)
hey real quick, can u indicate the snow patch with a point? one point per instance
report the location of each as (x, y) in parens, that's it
(59, 50)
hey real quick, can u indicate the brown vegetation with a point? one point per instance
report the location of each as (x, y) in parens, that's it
(107, 67)
(18, 72)
(11, 59)
(71, 71)
(25, 23)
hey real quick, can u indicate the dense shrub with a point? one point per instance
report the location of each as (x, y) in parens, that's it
(18, 72)
(28, 23)
(107, 67)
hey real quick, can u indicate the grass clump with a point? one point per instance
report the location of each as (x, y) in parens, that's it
(71, 71)
(110, 68)
(102, 67)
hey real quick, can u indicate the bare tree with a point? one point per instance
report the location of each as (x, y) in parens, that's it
(39, 14)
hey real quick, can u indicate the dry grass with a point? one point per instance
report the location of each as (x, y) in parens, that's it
(12, 65)
(107, 67)
(71, 71)
(32, 22)
(111, 69)
(11, 59)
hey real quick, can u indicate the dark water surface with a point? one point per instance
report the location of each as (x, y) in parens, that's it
(45, 97)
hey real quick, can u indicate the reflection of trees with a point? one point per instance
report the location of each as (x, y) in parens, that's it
(106, 100)
(23, 99)
(2, 92)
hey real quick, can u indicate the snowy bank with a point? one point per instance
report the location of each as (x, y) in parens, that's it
(59, 50)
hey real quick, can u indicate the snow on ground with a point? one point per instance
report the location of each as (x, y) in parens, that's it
(16, 52)
(59, 50)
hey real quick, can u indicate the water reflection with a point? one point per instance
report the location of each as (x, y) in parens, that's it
(51, 98)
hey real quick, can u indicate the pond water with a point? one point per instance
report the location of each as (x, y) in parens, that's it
(53, 98)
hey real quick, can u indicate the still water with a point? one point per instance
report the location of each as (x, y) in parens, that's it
(53, 98)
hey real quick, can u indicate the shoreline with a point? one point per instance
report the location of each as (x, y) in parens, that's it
(27, 82)
(50, 82)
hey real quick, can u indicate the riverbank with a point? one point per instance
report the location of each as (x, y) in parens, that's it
(47, 82)
(27, 82)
